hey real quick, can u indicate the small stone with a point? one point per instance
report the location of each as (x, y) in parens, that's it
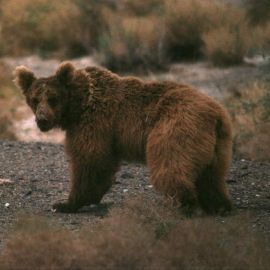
(28, 193)
(125, 190)
(6, 182)
(258, 195)
(7, 205)
(231, 180)
(126, 175)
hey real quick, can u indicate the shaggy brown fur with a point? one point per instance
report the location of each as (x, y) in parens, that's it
(183, 135)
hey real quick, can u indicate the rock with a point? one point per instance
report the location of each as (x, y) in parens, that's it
(126, 175)
(6, 182)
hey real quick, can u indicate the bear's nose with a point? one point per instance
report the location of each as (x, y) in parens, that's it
(43, 124)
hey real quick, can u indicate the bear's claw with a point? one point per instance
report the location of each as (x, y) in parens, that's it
(64, 207)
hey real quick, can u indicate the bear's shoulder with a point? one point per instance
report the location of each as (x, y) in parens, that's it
(98, 72)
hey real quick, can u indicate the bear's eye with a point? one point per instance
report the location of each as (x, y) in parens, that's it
(52, 101)
(35, 102)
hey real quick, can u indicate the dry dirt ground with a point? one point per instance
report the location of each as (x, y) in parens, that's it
(37, 175)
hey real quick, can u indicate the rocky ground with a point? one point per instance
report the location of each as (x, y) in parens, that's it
(34, 175)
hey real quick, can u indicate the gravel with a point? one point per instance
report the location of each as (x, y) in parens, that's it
(36, 174)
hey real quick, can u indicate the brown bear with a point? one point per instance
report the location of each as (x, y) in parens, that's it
(183, 135)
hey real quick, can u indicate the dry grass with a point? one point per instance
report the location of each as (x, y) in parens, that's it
(42, 26)
(141, 7)
(186, 21)
(180, 30)
(227, 45)
(131, 42)
(9, 99)
(261, 38)
(141, 235)
(230, 39)
(250, 112)
(258, 11)
(126, 34)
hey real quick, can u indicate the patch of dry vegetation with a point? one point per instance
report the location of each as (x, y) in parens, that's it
(131, 42)
(186, 22)
(142, 235)
(175, 30)
(258, 11)
(42, 26)
(228, 42)
(9, 99)
(250, 112)
(128, 34)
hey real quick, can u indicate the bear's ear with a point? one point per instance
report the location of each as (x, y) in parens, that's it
(65, 72)
(24, 78)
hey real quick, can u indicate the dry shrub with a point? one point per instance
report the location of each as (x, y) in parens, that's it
(180, 30)
(227, 45)
(141, 7)
(41, 26)
(131, 42)
(127, 239)
(6, 126)
(92, 22)
(204, 244)
(230, 39)
(186, 21)
(9, 97)
(261, 38)
(250, 112)
(258, 11)
(38, 246)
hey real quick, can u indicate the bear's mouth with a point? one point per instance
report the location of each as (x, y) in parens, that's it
(44, 125)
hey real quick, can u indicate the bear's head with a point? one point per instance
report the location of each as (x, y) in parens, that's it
(47, 97)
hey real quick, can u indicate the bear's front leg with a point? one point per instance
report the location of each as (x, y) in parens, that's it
(90, 181)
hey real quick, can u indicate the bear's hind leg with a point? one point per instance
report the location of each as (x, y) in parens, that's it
(211, 184)
(212, 192)
(171, 170)
(176, 185)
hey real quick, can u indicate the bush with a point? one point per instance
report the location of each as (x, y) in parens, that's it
(126, 34)
(91, 21)
(261, 38)
(186, 21)
(141, 7)
(127, 239)
(227, 45)
(42, 26)
(131, 42)
(250, 112)
(9, 97)
(258, 11)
